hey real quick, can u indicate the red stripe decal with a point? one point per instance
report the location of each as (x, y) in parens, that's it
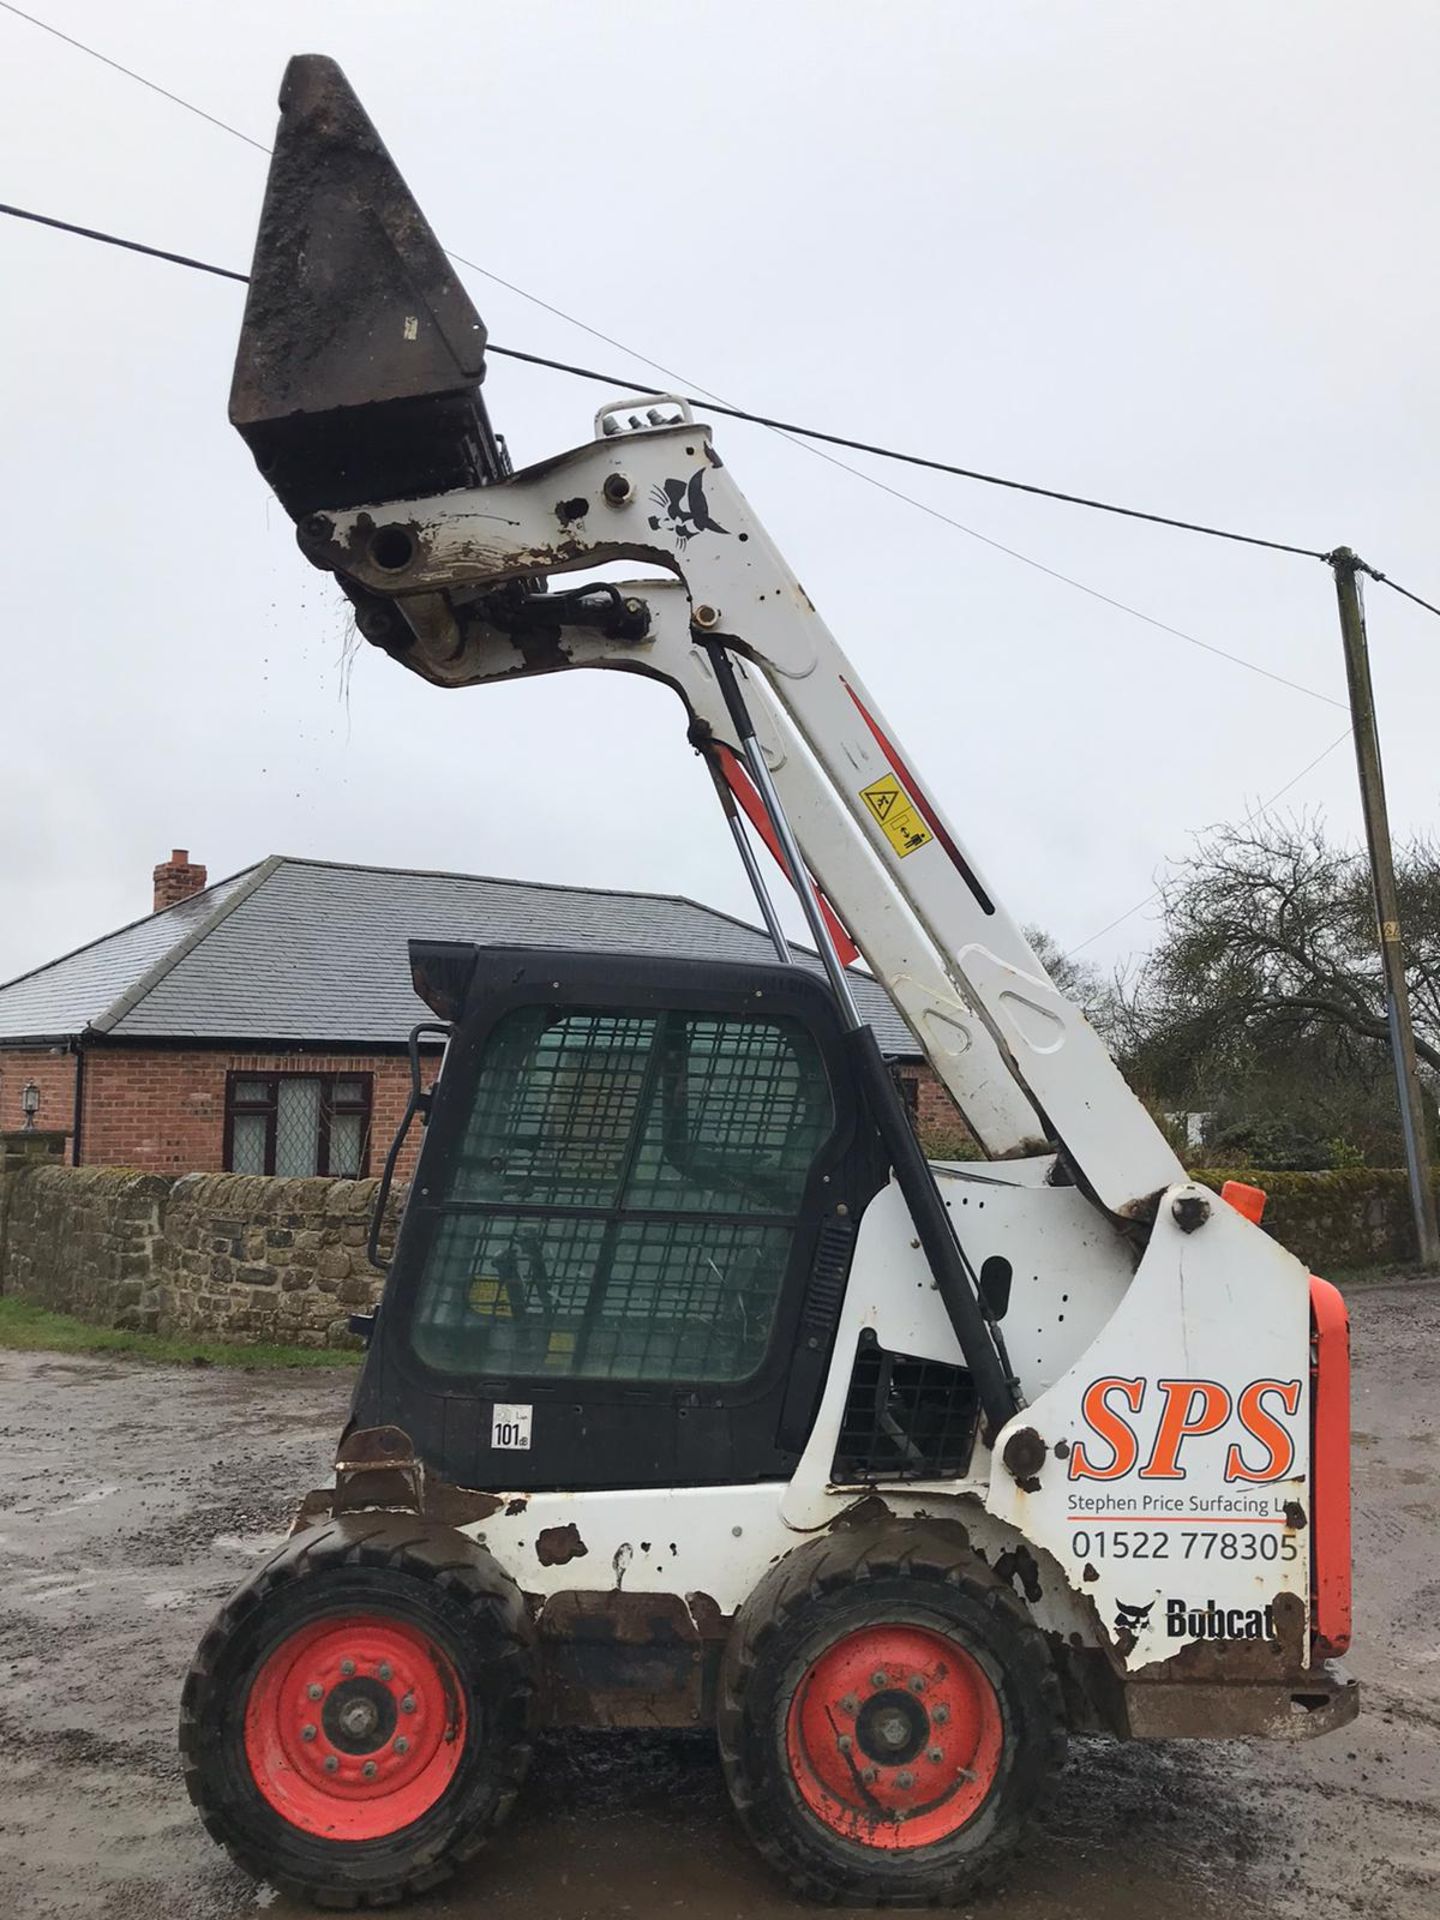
(922, 805)
(753, 807)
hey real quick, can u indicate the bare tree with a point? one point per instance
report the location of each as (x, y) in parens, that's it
(1266, 982)
(1079, 980)
(1270, 934)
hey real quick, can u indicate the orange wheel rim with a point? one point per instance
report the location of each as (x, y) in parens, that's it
(354, 1727)
(894, 1737)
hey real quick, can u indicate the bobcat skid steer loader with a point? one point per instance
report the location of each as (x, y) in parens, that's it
(696, 1397)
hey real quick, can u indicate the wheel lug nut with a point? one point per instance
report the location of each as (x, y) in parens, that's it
(385, 1670)
(935, 1756)
(315, 1691)
(868, 1776)
(407, 1705)
(307, 1733)
(879, 1679)
(917, 1683)
(844, 1743)
(369, 1769)
(849, 1704)
(402, 1745)
(940, 1716)
(347, 1667)
(904, 1780)
(332, 1765)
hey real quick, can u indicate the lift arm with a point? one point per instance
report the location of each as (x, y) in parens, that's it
(449, 582)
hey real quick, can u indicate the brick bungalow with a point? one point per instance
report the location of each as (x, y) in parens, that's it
(260, 1025)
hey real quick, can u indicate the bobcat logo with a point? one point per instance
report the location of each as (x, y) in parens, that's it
(1131, 1619)
(683, 509)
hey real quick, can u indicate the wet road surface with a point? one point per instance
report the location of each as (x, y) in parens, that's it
(133, 1497)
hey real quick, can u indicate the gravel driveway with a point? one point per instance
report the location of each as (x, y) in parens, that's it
(132, 1497)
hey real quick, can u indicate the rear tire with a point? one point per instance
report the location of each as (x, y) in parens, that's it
(889, 1715)
(356, 1720)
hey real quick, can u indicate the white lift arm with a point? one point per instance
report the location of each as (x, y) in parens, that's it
(1020, 1060)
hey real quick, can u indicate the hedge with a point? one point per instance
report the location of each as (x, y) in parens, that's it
(1349, 1217)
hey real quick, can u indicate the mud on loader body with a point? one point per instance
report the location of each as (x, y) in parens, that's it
(696, 1397)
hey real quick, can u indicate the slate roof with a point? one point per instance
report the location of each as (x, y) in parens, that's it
(314, 952)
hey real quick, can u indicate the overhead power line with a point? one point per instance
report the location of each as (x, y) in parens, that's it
(228, 273)
(1374, 573)
(801, 436)
(629, 383)
(786, 429)
(1257, 813)
(115, 240)
(131, 74)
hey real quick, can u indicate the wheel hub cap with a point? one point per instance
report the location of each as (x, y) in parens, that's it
(891, 1728)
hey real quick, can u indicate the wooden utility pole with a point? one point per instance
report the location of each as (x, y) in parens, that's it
(1387, 908)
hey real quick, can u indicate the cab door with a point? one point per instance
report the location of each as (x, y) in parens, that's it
(624, 1252)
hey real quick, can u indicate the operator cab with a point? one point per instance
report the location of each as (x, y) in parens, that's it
(625, 1249)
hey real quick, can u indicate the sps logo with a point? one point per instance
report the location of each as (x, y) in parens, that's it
(1188, 1410)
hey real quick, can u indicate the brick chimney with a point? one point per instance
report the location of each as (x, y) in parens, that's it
(177, 880)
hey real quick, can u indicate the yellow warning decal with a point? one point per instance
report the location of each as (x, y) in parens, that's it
(894, 809)
(489, 1296)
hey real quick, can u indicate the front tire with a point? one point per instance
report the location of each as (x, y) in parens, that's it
(888, 1717)
(356, 1720)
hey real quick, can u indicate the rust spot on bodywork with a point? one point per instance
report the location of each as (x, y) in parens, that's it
(1018, 1563)
(1294, 1514)
(1275, 1706)
(558, 1546)
(710, 1622)
(543, 651)
(457, 1506)
(1024, 1456)
(517, 1505)
(1144, 1209)
(616, 1659)
(376, 1467)
(374, 1447)
(1221, 1657)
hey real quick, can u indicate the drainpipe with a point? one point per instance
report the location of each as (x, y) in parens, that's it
(79, 1103)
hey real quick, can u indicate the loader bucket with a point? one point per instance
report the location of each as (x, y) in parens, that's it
(358, 372)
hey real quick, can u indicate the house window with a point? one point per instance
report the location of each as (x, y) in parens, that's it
(298, 1123)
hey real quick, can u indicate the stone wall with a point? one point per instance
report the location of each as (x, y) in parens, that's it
(283, 1261)
(85, 1240)
(267, 1260)
(205, 1254)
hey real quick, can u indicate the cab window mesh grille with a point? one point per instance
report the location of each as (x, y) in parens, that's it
(624, 1197)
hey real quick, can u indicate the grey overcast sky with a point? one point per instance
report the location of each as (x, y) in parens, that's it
(1179, 255)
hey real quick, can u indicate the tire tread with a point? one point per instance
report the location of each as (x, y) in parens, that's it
(930, 1557)
(380, 1541)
